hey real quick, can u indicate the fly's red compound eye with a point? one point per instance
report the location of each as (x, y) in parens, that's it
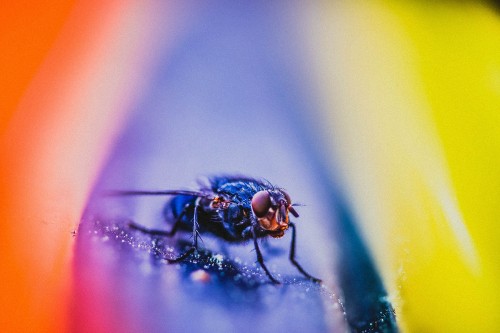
(261, 202)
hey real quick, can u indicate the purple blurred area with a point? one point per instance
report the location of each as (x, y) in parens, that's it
(231, 96)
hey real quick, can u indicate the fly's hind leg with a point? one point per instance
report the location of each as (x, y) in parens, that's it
(156, 232)
(292, 257)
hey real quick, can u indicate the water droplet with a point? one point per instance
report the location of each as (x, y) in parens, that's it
(200, 276)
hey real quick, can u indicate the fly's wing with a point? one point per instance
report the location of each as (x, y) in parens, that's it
(166, 192)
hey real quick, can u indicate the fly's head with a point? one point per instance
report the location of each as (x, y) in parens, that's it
(271, 208)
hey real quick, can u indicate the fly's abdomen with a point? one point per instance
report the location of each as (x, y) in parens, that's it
(180, 205)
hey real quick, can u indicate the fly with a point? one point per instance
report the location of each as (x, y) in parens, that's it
(232, 208)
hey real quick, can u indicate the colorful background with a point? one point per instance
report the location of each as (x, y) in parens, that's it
(394, 103)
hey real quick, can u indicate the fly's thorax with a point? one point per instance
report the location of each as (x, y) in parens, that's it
(227, 210)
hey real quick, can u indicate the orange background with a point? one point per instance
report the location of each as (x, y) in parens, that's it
(41, 198)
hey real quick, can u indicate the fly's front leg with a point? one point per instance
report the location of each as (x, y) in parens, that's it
(194, 246)
(292, 257)
(260, 259)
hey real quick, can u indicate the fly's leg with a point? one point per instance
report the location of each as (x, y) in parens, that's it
(260, 259)
(194, 246)
(292, 257)
(156, 232)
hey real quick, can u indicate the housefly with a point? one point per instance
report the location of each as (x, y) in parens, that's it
(233, 208)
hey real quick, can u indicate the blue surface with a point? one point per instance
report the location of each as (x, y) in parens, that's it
(229, 98)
